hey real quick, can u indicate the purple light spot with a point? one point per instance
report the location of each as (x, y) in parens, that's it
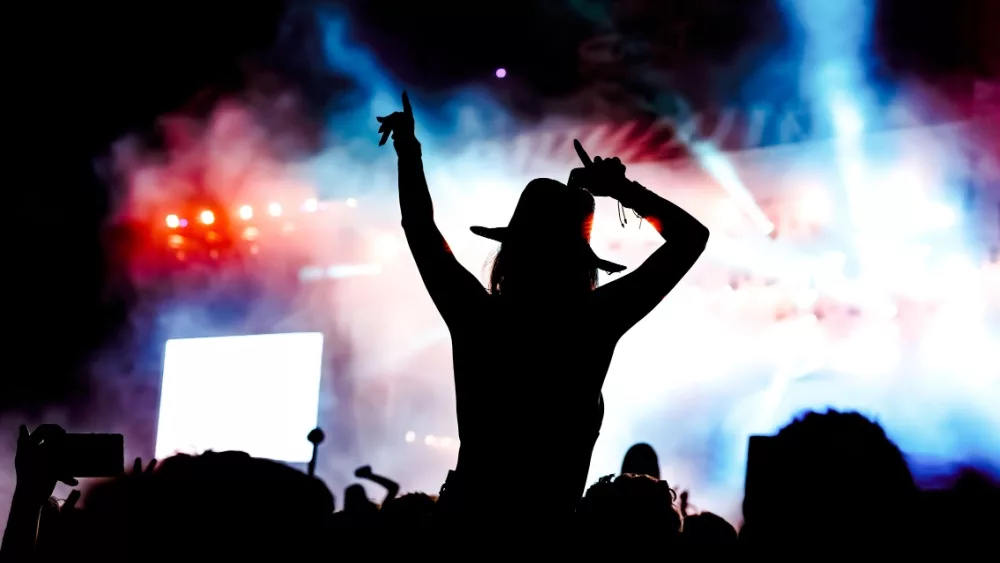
(501, 72)
(184, 222)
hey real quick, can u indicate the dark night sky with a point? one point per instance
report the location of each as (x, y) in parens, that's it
(82, 76)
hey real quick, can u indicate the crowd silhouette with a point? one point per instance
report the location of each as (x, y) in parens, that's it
(531, 352)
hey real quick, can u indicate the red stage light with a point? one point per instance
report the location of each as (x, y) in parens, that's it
(207, 217)
(173, 221)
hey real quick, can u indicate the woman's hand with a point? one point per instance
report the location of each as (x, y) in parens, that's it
(398, 124)
(601, 177)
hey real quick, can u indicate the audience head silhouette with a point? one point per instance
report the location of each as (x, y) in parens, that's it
(545, 249)
(708, 529)
(826, 473)
(632, 501)
(226, 503)
(356, 500)
(641, 459)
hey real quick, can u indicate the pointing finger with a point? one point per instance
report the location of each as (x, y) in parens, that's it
(407, 109)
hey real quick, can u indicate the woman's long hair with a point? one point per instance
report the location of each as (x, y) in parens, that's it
(506, 267)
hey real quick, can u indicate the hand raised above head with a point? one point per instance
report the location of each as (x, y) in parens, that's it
(363, 472)
(398, 124)
(601, 177)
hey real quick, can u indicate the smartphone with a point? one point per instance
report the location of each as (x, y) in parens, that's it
(91, 455)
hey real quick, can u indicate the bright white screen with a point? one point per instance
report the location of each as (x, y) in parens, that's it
(258, 394)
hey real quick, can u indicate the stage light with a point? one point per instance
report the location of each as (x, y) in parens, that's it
(250, 233)
(310, 205)
(246, 212)
(175, 241)
(411, 436)
(274, 209)
(351, 202)
(173, 221)
(207, 217)
(501, 72)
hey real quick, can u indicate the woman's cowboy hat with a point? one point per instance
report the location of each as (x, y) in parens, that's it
(551, 209)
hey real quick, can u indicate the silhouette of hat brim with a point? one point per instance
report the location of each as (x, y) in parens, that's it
(499, 234)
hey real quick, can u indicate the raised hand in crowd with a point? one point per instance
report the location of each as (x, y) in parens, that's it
(138, 471)
(398, 124)
(36, 463)
(37, 470)
(391, 487)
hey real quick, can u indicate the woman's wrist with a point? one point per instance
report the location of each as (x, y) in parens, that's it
(629, 192)
(406, 145)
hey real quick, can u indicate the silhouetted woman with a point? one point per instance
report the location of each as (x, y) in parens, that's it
(531, 351)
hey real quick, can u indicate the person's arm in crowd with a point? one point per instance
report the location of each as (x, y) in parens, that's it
(22, 527)
(391, 487)
(36, 479)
